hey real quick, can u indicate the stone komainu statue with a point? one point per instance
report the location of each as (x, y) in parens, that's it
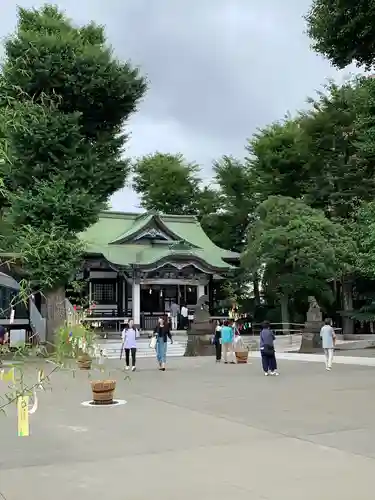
(314, 314)
(200, 330)
(201, 314)
(311, 341)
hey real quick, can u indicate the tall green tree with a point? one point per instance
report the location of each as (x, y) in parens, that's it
(336, 180)
(364, 229)
(343, 31)
(297, 247)
(167, 183)
(277, 156)
(64, 99)
(227, 225)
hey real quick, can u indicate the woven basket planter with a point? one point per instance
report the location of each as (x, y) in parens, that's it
(242, 356)
(84, 362)
(103, 391)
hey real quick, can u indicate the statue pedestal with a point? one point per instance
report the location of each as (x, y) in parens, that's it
(311, 341)
(199, 341)
(199, 334)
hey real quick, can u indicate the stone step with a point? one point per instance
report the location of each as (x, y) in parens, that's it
(145, 334)
(112, 350)
(112, 347)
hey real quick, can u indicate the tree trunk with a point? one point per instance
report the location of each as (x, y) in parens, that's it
(347, 303)
(55, 313)
(284, 303)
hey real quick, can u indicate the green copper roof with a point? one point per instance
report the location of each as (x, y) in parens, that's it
(114, 236)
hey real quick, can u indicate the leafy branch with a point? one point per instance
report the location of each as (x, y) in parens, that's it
(26, 390)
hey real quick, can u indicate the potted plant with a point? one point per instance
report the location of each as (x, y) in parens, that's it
(77, 342)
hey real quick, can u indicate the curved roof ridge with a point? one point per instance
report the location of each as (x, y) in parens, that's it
(139, 215)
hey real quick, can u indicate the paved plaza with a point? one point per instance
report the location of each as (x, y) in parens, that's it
(200, 431)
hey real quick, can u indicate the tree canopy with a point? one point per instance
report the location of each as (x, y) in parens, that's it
(343, 31)
(297, 243)
(64, 99)
(227, 225)
(324, 155)
(167, 183)
(364, 230)
(277, 156)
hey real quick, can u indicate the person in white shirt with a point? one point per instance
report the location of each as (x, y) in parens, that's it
(129, 343)
(184, 317)
(174, 315)
(328, 336)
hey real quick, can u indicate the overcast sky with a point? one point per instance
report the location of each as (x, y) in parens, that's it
(218, 69)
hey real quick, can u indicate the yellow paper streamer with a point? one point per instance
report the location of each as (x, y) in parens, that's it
(7, 377)
(40, 379)
(23, 416)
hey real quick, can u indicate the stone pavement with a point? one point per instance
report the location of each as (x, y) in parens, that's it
(203, 431)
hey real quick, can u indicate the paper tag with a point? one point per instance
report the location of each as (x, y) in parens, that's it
(23, 416)
(12, 314)
(35, 405)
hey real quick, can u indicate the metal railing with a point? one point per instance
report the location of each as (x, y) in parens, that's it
(281, 328)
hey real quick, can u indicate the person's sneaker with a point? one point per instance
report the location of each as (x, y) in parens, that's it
(266, 374)
(133, 368)
(127, 368)
(275, 374)
(328, 368)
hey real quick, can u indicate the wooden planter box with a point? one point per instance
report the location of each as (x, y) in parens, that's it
(103, 391)
(242, 356)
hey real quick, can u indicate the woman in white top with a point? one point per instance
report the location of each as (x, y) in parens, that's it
(328, 336)
(129, 342)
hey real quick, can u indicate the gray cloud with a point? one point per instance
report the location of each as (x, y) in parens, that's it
(218, 69)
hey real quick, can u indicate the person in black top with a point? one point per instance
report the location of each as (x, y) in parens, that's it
(3, 335)
(217, 341)
(3, 338)
(162, 332)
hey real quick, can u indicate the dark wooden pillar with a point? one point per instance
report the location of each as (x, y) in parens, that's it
(120, 294)
(126, 299)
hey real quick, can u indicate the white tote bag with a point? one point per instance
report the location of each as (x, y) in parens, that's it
(153, 342)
